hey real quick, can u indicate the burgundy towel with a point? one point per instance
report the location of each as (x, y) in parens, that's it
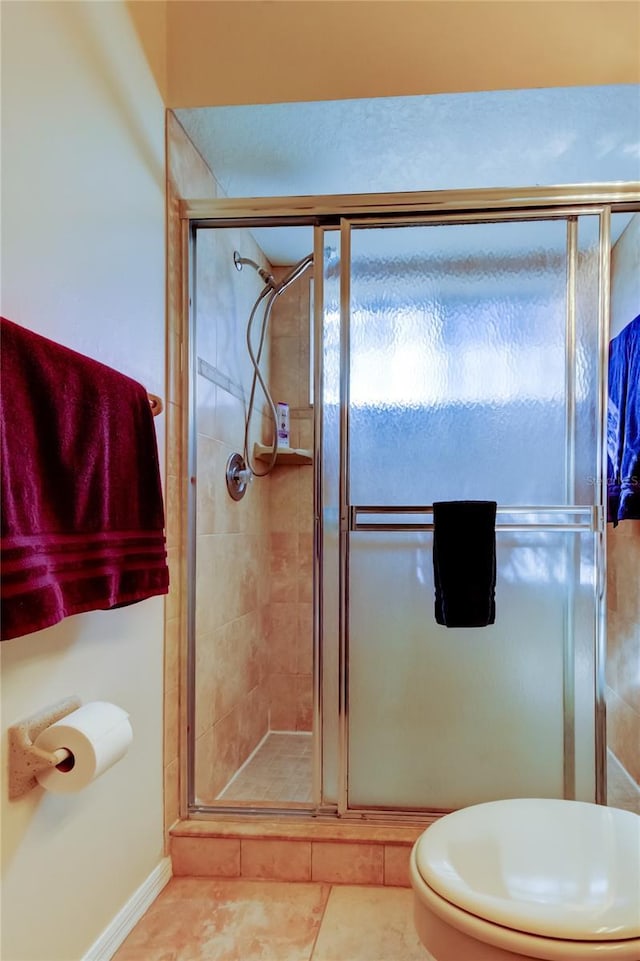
(82, 511)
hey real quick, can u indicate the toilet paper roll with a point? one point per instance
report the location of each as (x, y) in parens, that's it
(97, 735)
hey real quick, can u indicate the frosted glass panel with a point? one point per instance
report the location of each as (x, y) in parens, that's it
(587, 277)
(458, 363)
(468, 381)
(584, 636)
(459, 716)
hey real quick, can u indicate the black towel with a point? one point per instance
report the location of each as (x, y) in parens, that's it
(464, 562)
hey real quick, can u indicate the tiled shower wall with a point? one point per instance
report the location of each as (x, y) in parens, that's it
(623, 654)
(232, 542)
(232, 538)
(291, 519)
(623, 550)
(254, 603)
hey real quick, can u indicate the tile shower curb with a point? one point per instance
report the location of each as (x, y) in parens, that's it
(316, 849)
(311, 829)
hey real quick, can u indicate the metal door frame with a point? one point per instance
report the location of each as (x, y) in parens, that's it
(461, 206)
(349, 513)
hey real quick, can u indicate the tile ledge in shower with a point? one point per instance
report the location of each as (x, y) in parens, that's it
(284, 455)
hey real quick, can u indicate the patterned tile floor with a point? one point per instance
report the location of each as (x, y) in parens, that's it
(196, 919)
(280, 770)
(622, 790)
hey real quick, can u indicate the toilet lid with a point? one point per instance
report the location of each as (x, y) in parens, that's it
(563, 869)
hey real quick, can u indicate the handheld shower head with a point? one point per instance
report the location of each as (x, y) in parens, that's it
(266, 276)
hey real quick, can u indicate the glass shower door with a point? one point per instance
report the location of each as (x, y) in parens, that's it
(468, 373)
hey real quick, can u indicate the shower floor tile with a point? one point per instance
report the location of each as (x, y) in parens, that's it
(280, 771)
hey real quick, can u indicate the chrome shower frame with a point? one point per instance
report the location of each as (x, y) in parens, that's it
(436, 207)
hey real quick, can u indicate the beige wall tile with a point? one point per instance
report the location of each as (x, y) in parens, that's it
(623, 644)
(304, 702)
(628, 674)
(206, 857)
(171, 729)
(217, 512)
(306, 435)
(253, 720)
(208, 560)
(207, 711)
(171, 653)
(276, 860)
(220, 672)
(283, 567)
(294, 433)
(305, 568)
(396, 865)
(305, 498)
(285, 315)
(229, 419)
(285, 376)
(263, 564)
(225, 749)
(623, 734)
(283, 500)
(347, 863)
(246, 554)
(304, 647)
(171, 796)
(283, 632)
(283, 702)
(227, 579)
(253, 641)
(205, 788)
(303, 368)
(206, 400)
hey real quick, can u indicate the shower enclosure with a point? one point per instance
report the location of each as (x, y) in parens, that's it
(459, 345)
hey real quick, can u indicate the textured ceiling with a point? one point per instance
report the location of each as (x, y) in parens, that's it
(517, 138)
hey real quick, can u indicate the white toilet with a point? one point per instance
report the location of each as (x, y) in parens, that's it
(527, 878)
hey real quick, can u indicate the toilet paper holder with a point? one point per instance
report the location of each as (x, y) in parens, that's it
(26, 760)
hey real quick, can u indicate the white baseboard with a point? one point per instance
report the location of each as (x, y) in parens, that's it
(125, 920)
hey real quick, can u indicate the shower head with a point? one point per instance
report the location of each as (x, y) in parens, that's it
(266, 276)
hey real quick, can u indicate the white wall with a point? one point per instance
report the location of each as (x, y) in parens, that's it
(83, 263)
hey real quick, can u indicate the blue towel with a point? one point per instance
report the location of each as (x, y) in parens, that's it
(623, 426)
